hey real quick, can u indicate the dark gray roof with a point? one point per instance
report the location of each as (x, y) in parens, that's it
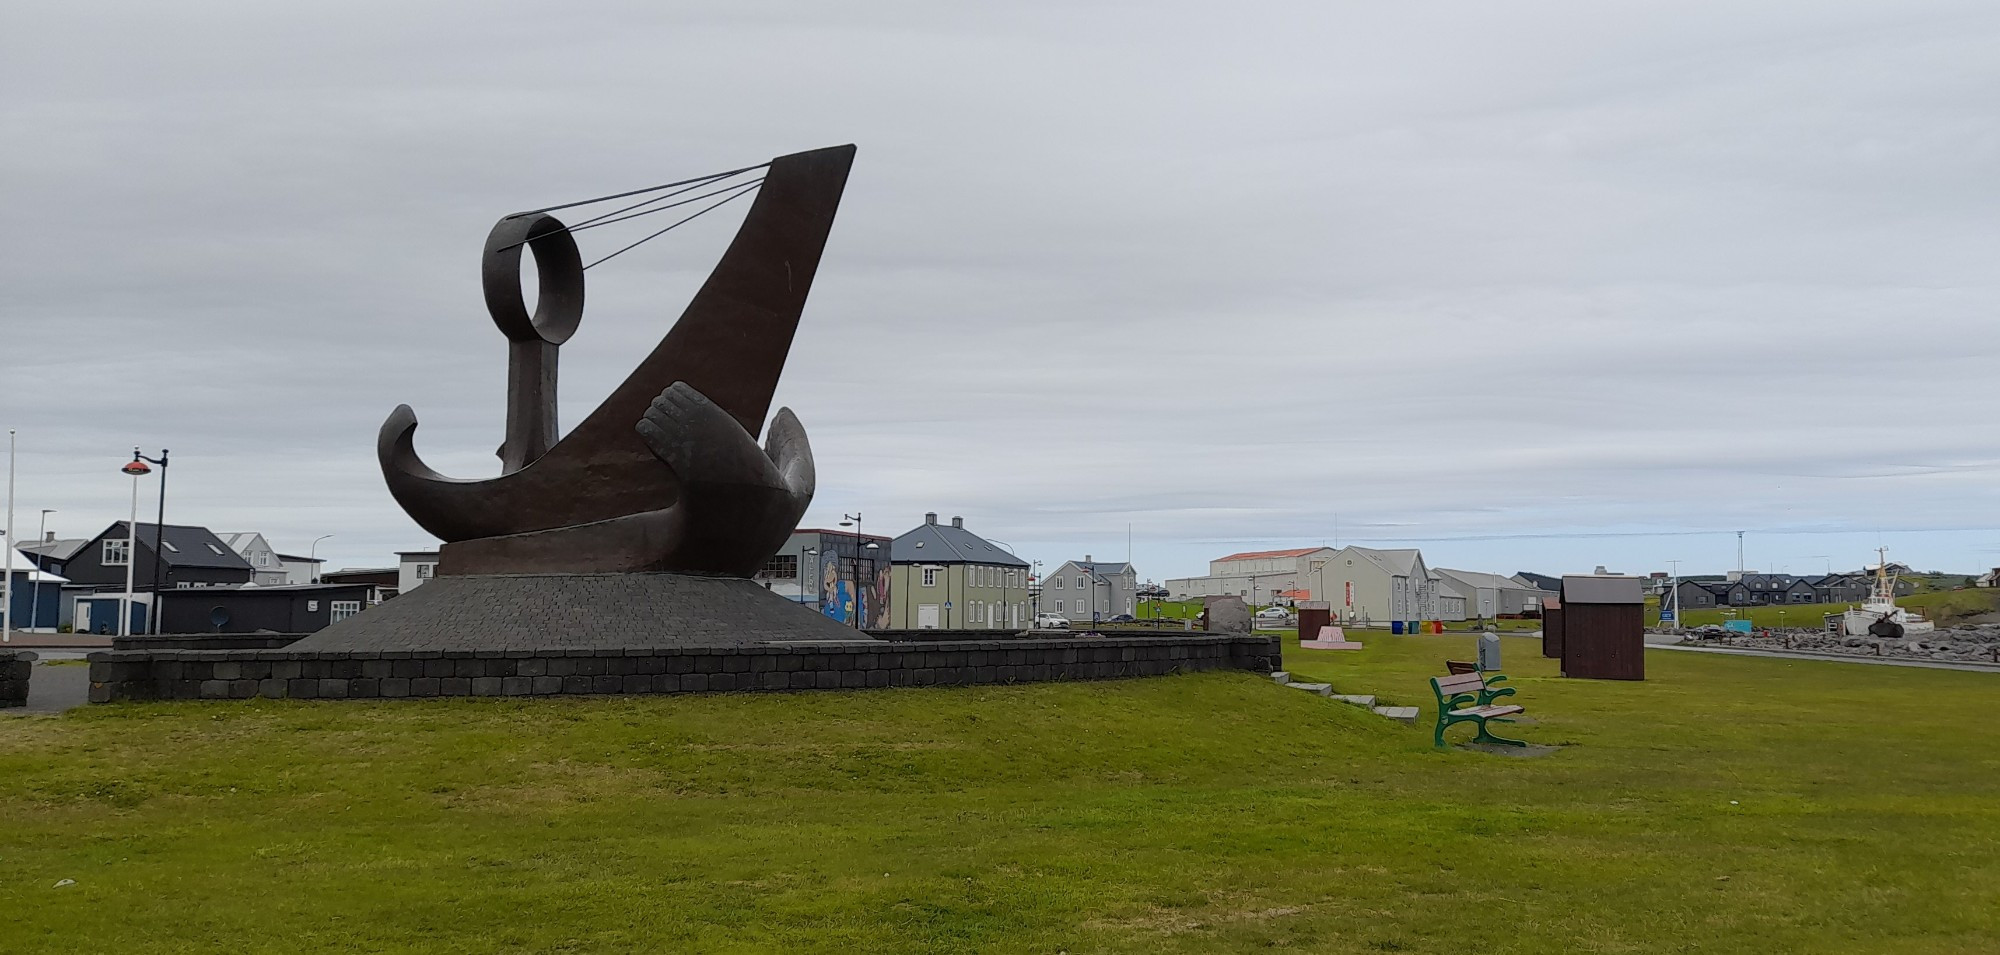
(1103, 568)
(56, 550)
(1541, 581)
(945, 544)
(185, 546)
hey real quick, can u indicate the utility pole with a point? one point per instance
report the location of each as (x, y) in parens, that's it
(1677, 593)
(1739, 553)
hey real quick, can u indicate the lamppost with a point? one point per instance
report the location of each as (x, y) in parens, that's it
(159, 529)
(312, 556)
(137, 469)
(35, 587)
(854, 520)
(7, 582)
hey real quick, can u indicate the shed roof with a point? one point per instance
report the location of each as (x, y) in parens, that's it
(24, 564)
(1591, 589)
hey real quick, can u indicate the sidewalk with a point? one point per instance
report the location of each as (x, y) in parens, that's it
(1835, 657)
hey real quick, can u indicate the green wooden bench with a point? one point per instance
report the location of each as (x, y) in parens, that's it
(1468, 698)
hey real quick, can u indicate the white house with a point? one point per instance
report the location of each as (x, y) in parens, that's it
(1256, 576)
(413, 568)
(267, 569)
(1489, 596)
(1366, 585)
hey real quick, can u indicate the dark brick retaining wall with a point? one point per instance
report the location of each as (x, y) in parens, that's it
(260, 640)
(16, 666)
(238, 674)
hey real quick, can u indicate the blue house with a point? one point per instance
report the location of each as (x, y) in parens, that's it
(37, 603)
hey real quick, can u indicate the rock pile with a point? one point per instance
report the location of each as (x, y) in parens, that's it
(1969, 644)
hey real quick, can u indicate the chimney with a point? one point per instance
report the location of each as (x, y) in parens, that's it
(958, 522)
(49, 538)
(1087, 560)
(930, 517)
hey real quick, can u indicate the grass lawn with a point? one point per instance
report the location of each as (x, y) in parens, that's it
(1727, 804)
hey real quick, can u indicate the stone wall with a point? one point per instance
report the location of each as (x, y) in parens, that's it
(284, 673)
(16, 666)
(261, 640)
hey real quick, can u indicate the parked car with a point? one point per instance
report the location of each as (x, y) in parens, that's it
(1051, 621)
(1274, 613)
(1123, 618)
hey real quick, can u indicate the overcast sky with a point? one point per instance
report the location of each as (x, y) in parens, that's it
(1538, 285)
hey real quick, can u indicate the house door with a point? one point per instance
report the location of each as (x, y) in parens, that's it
(927, 616)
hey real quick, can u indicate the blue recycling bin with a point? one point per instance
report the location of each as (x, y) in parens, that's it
(1395, 626)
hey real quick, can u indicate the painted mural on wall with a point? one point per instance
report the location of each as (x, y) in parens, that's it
(842, 599)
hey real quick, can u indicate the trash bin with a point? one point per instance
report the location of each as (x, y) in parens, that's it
(1395, 626)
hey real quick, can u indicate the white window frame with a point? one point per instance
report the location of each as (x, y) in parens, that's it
(117, 552)
(1056, 584)
(340, 610)
(1059, 605)
(424, 571)
(930, 576)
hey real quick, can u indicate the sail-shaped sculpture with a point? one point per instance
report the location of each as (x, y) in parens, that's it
(666, 473)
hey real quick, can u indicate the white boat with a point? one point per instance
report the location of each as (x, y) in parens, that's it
(1879, 616)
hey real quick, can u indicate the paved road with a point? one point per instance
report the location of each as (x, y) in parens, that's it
(1833, 657)
(55, 689)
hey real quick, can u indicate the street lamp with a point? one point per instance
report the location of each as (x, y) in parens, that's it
(854, 520)
(159, 530)
(137, 469)
(312, 557)
(35, 588)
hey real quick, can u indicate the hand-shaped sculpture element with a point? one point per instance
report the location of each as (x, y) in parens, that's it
(737, 503)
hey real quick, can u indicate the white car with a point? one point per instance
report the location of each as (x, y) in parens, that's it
(1051, 621)
(1274, 613)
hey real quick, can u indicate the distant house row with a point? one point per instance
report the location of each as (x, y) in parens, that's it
(188, 579)
(1367, 584)
(1759, 590)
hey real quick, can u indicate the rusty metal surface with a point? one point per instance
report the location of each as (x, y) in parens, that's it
(666, 473)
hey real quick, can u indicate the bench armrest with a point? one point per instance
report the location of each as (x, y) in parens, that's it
(1488, 696)
(1495, 678)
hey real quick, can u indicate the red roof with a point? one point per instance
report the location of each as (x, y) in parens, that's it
(1296, 594)
(1262, 554)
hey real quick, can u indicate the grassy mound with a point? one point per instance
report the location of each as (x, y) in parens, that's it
(1727, 804)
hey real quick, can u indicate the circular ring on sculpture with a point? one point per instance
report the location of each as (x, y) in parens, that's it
(558, 270)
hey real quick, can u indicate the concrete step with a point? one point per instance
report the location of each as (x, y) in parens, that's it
(1281, 677)
(1356, 699)
(1323, 689)
(1401, 714)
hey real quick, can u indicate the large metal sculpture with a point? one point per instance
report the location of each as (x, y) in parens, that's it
(666, 475)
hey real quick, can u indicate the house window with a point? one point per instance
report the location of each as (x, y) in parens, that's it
(781, 567)
(343, 609)
(115, 553)
(930, 576)
(424, 571)
(1056, 584)
(1079, 581)
(263, 560)
(217, 551)
(1059, 606)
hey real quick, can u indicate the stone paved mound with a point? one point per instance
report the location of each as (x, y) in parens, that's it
(579, 611)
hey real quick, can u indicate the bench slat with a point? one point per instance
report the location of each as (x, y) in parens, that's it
(1489, 711)
(1463, 683)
